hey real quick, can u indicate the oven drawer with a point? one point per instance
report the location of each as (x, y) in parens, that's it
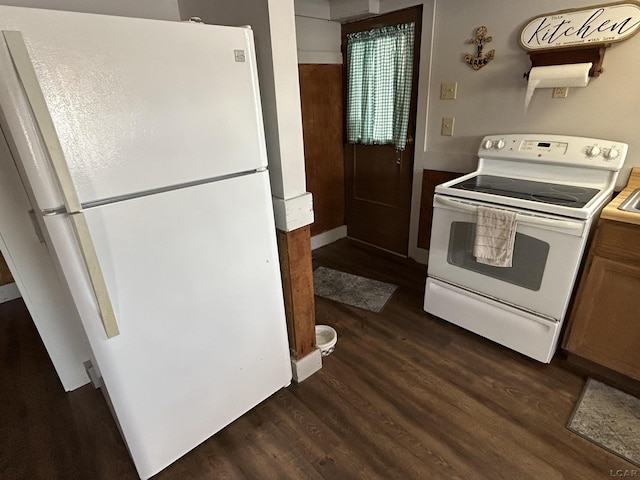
(508, 326)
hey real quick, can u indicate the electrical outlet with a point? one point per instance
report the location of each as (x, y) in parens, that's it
(448, 91)
(447, 126)
(560, 92)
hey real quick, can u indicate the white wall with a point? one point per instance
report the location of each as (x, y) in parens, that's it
(313, 8)
(157, 9)
(491, 100)
(318, 40)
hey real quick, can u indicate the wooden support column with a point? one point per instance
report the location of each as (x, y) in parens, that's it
(297, 279)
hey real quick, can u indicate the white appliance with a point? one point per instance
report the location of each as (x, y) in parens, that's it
(557, 185)
(141, 145)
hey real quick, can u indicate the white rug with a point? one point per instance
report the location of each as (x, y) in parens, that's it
(609, 418)
(352, 290)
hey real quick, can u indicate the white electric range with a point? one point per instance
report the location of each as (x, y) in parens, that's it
(557, 185)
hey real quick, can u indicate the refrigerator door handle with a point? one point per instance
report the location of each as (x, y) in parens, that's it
(42, 117)
(96, 277)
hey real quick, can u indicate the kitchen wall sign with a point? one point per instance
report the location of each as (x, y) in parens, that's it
(585, 26)
(579, 35)
(478, 59)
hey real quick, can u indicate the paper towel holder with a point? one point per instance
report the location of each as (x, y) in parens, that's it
(593, 54)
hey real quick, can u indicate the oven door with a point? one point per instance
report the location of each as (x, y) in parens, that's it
(546, 258)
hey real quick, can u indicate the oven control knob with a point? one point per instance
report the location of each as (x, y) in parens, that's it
(500, 144)
(611, 154)
(593, 151)
(487, 144)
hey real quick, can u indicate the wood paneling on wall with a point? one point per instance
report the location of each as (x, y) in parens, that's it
(321, 98)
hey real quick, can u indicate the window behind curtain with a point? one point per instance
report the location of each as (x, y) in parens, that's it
(379, 78)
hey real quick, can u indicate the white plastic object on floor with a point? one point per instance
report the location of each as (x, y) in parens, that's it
(326, 338)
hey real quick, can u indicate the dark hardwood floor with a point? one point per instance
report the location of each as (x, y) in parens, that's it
(403, 396)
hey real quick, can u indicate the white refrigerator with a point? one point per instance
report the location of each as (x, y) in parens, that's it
(141, 146)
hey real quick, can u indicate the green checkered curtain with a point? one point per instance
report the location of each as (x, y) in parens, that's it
(379, 78)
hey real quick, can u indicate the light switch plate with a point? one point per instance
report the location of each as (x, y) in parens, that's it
(448, 91)
(447, 126)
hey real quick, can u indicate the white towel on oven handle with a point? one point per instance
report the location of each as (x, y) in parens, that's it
(495, 237)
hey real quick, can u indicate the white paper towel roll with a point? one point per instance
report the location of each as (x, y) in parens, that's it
(569, 75)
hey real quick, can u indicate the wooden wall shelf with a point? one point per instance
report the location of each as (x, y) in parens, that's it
(561, 56)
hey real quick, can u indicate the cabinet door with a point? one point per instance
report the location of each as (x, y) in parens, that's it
(606, 323)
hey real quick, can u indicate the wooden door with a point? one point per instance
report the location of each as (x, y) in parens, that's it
(378, 180)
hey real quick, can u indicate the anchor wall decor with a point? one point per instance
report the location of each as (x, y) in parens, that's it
(478, 60)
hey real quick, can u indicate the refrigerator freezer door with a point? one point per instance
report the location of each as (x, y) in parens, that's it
(195, 283)
(137, 104)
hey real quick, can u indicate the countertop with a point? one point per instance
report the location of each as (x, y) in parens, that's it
(611, 212)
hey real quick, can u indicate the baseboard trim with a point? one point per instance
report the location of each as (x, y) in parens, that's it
(306, 366)
(9, 292)
(330, 236)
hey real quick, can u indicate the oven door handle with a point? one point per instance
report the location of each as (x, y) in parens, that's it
(522, 218)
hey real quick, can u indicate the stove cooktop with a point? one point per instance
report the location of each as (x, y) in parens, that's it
(542, 192)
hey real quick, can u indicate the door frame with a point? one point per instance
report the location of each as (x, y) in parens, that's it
(394, 17)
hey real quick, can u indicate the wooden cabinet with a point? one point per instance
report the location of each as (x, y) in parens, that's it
(604, 326)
